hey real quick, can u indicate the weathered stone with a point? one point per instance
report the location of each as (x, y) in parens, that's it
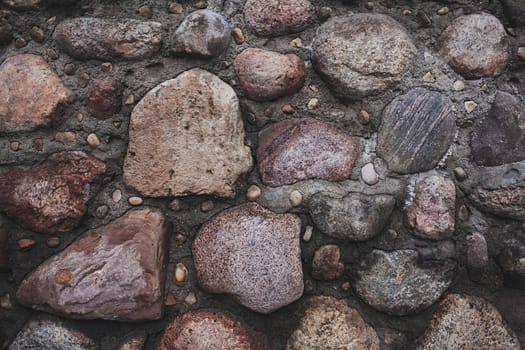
(49, 197)
(3, 248)
(31, 94)
(356, 216)
(362, 54)
(468, 322)
(432, 212)
(203, 33)
(48, 334)
(304, 148)
(416, 131)
(113, 272)
(329, 323)
(326, 263)
(500, 138)
(475, 46)
(252, 254)
(22, 4)
(512, 262)
(506, 202)
(186, 136)
(477, 255)
(265, 75)
(515, 11)
(278, 17)
(105, 98)
(104, 39)
(207, 329)
(398, 284)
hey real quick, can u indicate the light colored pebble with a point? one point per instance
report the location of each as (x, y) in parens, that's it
(521, 52)
(443, 11)
(181, 273)
(392, 233)
(207, 206)
(130, 100)
(180, 239)
(135, 201)
(238, 35)
(369, 175)
(66, 137)
(175, 205)
(363, 117)
(313, 87)
(15, 146)
(296, 198)
(102, 211)
(253, 193)
(470, 106)
(190, 299)
(429, 78)
(308, 232)
(460, 173)
(93, 140)
(107, 67)
(407, 12)
(175, 8)
(297, 43)
(463, 213)
(53, 242)
(458, 85)
(80, 117)
(5, 302)
(116, 196)
(288, 109)
(313, 104)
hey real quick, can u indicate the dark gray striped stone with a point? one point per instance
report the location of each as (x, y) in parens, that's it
(416, 131)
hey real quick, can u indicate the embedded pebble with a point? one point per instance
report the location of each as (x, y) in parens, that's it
(369, 175)
(253, 193)
(296, 198)
(67, 137)
(102, 211)
(207, 206)
(470, 106)
(190, 299)
(326, 263)
(238, 35)
(37, 34)
(521, 53)
(93, 140)
(135, 201)
(181, 273)
(363, 117)
(116, 196)
(458, 85)
(53, 242)
(460, 174)
(26, 244)
(313, 104)
(176, 8)
(308, 232)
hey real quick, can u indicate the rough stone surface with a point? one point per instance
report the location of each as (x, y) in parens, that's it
(330, 324)
(49, 197)
(207, 329)
(432, 213)
(362, 54)
(515, 11)
(252, 254)
(500, 138)
(356, 217)
(188, 133)
(105, 98)
(475, 46)
(204, 33)
(104, 39)
(266, 75)
(397, 284)
(304, 148)
(31, 94)
(326, 263)
(505, 202)
(468, 322)
(114, 272)
(48, 334)
(278, 17)
(416, 131)
(512, 262)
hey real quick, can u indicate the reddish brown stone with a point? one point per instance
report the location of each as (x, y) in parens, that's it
(304, 148)
(205, 329)
(105, 99)
(507, 202)
(25, 243)
(31, 94)
(326, 264)
(49, 197)
(114, 272)
(3, 248)
(266, 75)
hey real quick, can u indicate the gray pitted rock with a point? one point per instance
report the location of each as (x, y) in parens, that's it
(208, 329)
(515, 11)
(186, 136)
(305, 148)
(330, 324)
(265, 75)
(326, 263)
(432, 212)
(113, 272)
(468, 322)
(475, 46)
(398, 284)
(204, 33)
(31, 94)
(500, 138)
(251, 254)
(512, 262)
(356, 217)
(362, 54)
(278, 17)
(416, 131)
(104, 39)
(49, 197)
(49, 334)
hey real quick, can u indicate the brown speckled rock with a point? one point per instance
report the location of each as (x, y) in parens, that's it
(305, 148)
(266, 75)
(330, 324)
(252, 254)
(468, 322)
(186, 136)
(326, 263)
(278, 17)
(475, 46)
(31, 94)
(432, 213)
(49, 197)
(113, 272)
(505, 202)
(105, 98)
(210, 330)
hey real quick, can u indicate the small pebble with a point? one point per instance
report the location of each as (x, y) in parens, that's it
(175, 205)
(80, 117)
(175, 8)
(484, 88)
(180, 239)
(313, 104)
(102, 211)
(52, 54)
(363, 117)
(391, 233)
(313, 87)
(20, 43)
(53, 242)
(443, 11)
(463, 213)
(308, 232)
(51, 21)
(470, 106)
(325, 12)
(296, 198)
(83, 80)
(37, 34)
(369, 174)
(521, 52)
(25, 244)
(5, 302)
(297, 43)
(38, 144)
(458, 85)
(70, 68)
(460, 173)
(170, 300)
(207, 206)
(181, 274)
(66, 137)
(117, 124)
(253, 193)
(116, 196)
(238, 35)
(190, 299)
(107, 67)
(130, 100)
(93, 140)
(288, 109)
(407, 12)
(15, 146)
(429, 78)
(345, 286)
(201, 5)
(369, 5)
(135, 201)
(145, 11)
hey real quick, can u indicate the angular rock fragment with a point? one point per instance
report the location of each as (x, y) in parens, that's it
(266, 75)
(87, 38)
(512, 262)
(326, 263)
(105, 98)
(113, 272)
(31, 94)
(355, 217)
(416, 131)
(251, 254)
(186, 136)
(304, 148)
(398, 284)
(50, 197)
(362, 54)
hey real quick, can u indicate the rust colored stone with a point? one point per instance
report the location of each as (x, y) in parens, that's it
(326, 264)
(105, 99)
